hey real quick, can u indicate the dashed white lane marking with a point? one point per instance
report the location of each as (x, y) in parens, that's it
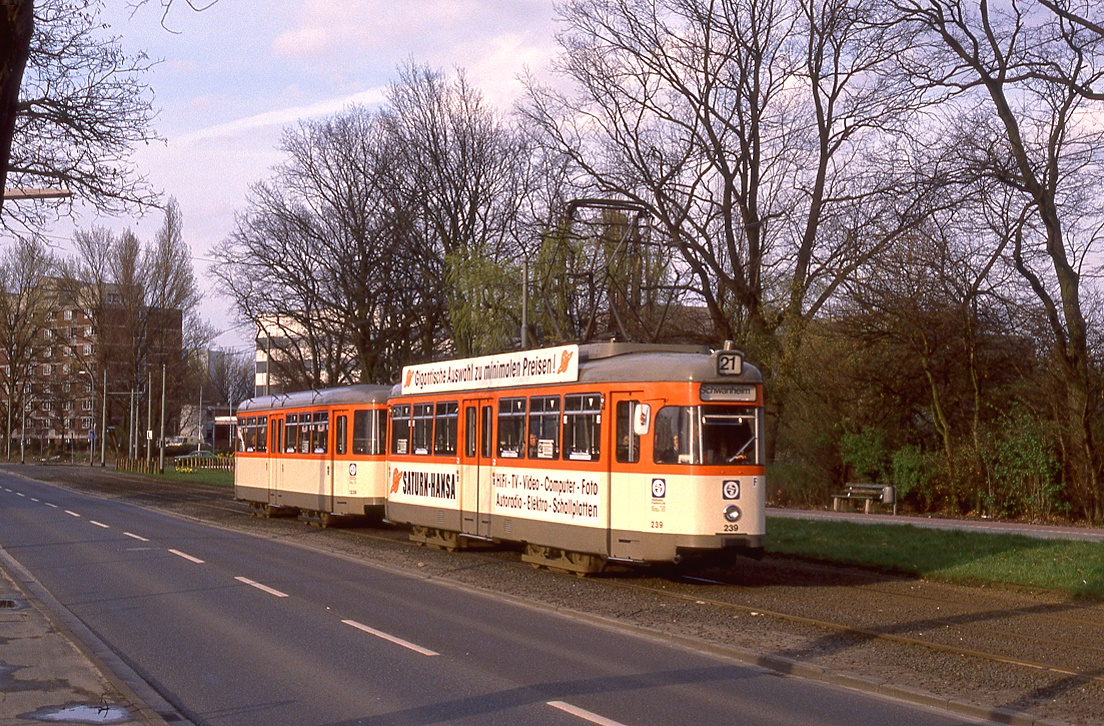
(20, 494)
(72, 513)
(188, 557)
(99, 524)
(135, 536)
(390, 638)
(259, 586)
(34, 499)
(48, 504)
(584, 714)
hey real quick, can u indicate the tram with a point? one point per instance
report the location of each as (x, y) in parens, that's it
(582, 454)
(314, 453)
(586, 454)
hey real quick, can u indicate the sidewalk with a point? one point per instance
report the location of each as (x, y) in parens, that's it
(1038, 531)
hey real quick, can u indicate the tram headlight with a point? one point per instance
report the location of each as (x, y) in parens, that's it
(732, 513)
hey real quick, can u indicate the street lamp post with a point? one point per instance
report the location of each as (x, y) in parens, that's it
(103, 425)
(23, 428)
(92, 418)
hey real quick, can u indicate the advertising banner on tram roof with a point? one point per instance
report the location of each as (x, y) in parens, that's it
(518, 368)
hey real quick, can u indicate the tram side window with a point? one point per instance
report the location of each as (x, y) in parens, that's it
(320, 432)
(511, 428)
(421, 429)
(486, 424)
(277, 432)
(544, 427)
(341, 432)
(582, 430)
(240, 438)
(628, 443)
(470, 420)
(304, 433)
(251, 433)
(262, 433)
(445, 427)
(400, 429)
(291, 433)
(673, 435)
(368, 432)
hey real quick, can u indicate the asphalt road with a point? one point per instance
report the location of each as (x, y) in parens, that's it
(236, 629)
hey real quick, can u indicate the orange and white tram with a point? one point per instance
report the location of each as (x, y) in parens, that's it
(316, 453)
(586, 454)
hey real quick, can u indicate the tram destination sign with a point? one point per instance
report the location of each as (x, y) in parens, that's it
(519, 368)
(728, 392)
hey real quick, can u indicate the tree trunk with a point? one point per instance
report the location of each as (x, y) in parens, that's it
(17, 24)
(16, 28)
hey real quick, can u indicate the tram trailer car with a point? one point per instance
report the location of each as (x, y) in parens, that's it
(585, 454)
(314, 453)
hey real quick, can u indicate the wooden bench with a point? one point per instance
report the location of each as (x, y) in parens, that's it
(868, 494)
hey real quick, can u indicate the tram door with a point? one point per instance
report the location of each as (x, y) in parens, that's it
(337, 471)
(624, 448)
(476, 467)
(275, 449)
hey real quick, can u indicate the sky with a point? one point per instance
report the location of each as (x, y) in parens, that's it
(232, 77)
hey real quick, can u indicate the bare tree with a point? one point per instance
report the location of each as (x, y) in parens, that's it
(379, 230)
(137, 298)
(24, 303)
(66, 56)
(462, 177)
(748, 130)
(324, 261)
(1018, 77)
(83, 106)
(232, 376)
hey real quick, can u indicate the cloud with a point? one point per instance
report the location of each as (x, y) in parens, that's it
(303, 42)
(285, 116)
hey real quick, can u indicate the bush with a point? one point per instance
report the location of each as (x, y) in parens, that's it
(865, 453)
(1022, 467)
(913, 472)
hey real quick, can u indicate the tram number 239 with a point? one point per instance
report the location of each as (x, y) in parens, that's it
(657, 524)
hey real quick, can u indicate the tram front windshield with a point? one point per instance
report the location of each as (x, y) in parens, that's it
(708, 434)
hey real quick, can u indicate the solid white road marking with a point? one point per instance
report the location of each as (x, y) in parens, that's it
(178, 553)
(259, 586)
(134, 536)
(584, 714)
(99, 524)
(389, 638)
(72, 513)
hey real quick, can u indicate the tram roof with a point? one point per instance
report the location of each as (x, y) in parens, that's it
(598, 363)
(355, 394)
(617, 362)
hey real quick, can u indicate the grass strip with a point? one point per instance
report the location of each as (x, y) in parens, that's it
(1067, 566)
(215, 477)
